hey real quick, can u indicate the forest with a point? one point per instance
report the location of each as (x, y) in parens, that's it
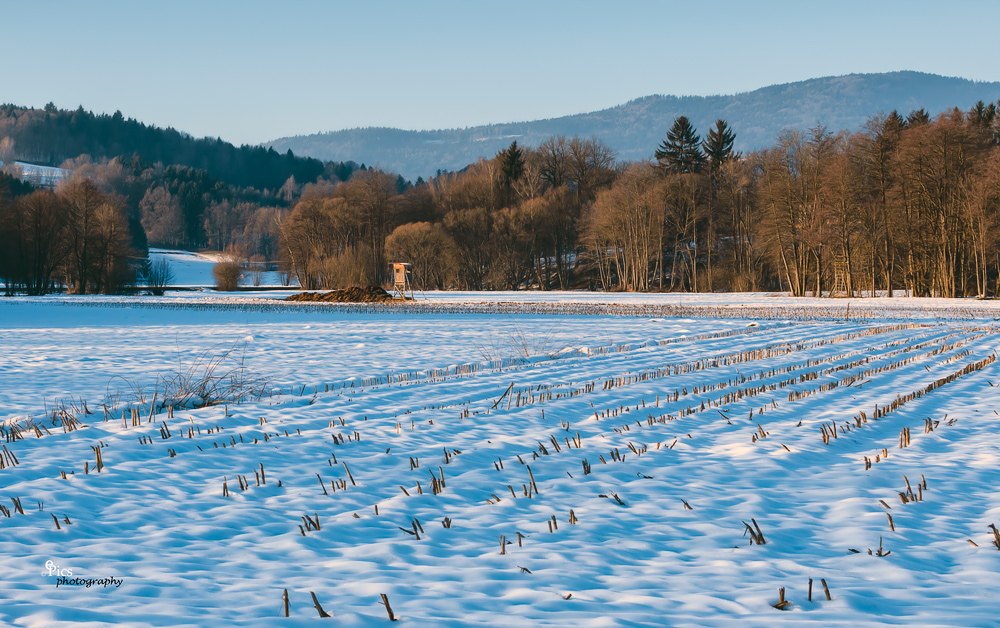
(50, 136)
(908, 203)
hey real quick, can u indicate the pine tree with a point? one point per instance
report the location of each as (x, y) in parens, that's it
(718, 144)
(511, 163)
(894, 123)
(982, 115)
(918, 117)
(681, 152)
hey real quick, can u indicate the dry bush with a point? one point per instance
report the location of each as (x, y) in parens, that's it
(227, 276)
(211, 378)
(519, 344)
(229, 270)
(159, 276)
(256, 267)
(346, 268)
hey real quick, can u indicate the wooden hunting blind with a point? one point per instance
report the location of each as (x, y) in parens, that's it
(402, 279)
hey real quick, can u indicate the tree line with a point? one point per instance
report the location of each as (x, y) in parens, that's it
(907, 203)
(77, 236)
(164, 205)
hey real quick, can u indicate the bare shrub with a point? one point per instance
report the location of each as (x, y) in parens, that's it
(229, 270)
(211, 378)
(346, 268)
(528, 345)
(214, 379)
(519, 344)
(227, 276)
(256, 269)
(159, 275)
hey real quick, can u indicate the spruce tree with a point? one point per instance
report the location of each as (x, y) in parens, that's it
(718, 144)
(918, 117)
(894, 123)
(511, 162)
(681, 152)
(982, 115)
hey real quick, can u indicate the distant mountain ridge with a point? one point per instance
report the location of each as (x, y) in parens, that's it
(635, 128)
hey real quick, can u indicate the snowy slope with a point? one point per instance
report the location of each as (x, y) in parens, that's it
(195, 269)
(188, 268)
(43, 176)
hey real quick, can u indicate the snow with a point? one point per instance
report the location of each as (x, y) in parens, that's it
(362, 398)
(188, 268)
(45, 176)
(59, 348)
(194, 270)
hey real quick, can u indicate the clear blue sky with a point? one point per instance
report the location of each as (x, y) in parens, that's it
(254, 71)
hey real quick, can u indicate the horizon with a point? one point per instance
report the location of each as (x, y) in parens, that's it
(263, 72)
(659, 95)
(507, 122)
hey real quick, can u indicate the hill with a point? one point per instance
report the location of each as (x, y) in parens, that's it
(49, 136)
(635, 128)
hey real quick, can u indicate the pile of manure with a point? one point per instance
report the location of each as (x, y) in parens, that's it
(354, 294)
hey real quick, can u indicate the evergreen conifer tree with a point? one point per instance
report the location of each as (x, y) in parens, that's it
(718, 144)
(918, 117)
(681, 152)
(511, 162)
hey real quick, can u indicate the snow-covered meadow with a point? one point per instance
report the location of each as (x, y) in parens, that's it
(582, 460)
(194, 270)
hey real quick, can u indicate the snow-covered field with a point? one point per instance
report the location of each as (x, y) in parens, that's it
(57, 350)
(603, 473)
